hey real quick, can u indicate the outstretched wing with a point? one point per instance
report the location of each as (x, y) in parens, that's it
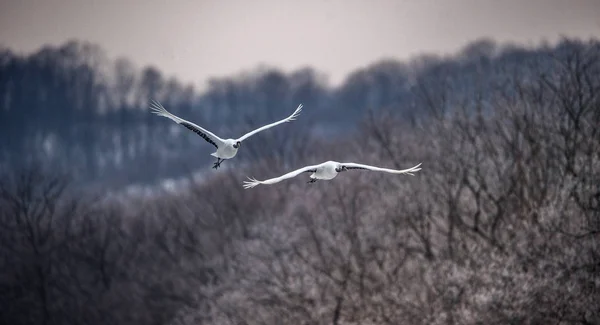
(158, 109)
(408, 171)
(253, 182)
(287, 119)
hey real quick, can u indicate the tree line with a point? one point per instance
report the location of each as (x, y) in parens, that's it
(76, 109)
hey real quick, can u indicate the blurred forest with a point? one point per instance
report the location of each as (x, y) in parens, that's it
(501, 225)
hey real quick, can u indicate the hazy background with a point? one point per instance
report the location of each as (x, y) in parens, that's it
(195, 40)
(112, 215)
(234, 63)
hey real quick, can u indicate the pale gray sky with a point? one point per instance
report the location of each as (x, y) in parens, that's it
(194, 40)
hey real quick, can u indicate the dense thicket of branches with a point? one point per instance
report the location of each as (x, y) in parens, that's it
(501, 226)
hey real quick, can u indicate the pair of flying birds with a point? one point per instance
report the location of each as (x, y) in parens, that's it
(228, 148)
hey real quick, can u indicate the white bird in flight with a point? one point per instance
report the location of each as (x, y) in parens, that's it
(226, 148)
(326, 171)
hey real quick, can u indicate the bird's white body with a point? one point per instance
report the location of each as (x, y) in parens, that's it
(226, 148)
(327, 171)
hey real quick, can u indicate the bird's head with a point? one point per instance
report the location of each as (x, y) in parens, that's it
(237, 144)
(341, 168)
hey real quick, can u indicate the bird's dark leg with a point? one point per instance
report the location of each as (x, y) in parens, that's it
(312, 180)
(218, 163)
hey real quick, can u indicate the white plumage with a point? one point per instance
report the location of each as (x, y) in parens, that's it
(326, 171)
(226, 148)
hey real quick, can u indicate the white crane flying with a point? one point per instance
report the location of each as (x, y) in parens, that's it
(326, 171)
(226, 148)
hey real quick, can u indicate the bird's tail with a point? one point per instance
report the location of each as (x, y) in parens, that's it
(295, 114)
(252, 183)
(411, 170)
(160, 110)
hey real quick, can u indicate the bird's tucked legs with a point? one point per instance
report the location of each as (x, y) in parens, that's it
(312, 180)
(218, 163)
